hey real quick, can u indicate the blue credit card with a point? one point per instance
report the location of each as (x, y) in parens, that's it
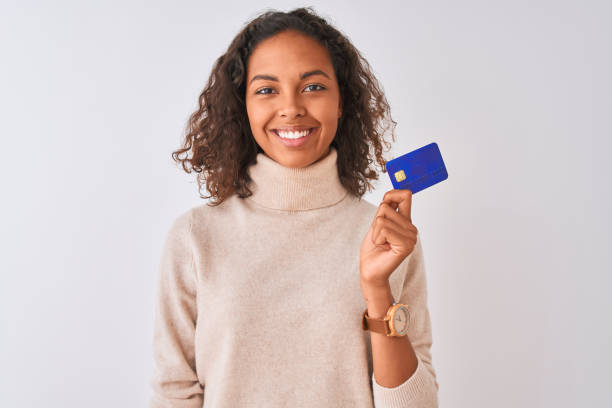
(418, 169)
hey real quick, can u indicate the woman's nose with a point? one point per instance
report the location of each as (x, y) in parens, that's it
(290, 106)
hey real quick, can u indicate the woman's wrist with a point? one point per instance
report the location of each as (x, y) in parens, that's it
(378, 299)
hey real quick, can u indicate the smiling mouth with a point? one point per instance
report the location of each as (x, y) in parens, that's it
(275, 131)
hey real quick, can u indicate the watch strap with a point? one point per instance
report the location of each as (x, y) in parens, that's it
(374, 325)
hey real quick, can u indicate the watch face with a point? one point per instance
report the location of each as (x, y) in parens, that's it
(401, 318)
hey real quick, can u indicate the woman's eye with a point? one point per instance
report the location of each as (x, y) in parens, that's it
(320, 86)
(260, 92)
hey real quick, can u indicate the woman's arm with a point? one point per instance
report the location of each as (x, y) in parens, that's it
(174, 382)
(393, 357)
(403, 374)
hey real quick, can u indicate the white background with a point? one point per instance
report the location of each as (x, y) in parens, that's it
(95, 96)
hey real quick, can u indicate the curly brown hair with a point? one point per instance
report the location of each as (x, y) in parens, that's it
(219, 144)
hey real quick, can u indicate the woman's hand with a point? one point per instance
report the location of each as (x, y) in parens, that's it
(390, 239)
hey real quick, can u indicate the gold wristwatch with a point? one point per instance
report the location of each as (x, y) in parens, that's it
(395, 323)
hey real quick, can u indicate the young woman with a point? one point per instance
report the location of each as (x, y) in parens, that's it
(276, 294)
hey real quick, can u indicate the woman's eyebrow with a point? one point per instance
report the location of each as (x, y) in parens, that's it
(304, 75)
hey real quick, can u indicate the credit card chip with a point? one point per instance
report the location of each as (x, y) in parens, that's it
(400, 175)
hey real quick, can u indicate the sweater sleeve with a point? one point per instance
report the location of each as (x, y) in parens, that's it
(421, 389)
(174, 380)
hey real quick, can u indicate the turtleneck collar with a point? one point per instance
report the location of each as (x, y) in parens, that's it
(296, 189)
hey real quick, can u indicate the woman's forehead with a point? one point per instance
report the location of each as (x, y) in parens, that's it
(289, 54)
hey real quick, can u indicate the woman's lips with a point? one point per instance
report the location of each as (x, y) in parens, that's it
(295, 142)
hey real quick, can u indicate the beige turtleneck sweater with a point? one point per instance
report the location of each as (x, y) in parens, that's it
(259, 304)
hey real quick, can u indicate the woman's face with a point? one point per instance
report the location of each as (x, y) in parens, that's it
(291, 84)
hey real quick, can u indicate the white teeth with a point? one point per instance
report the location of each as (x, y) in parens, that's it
(292, 135)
